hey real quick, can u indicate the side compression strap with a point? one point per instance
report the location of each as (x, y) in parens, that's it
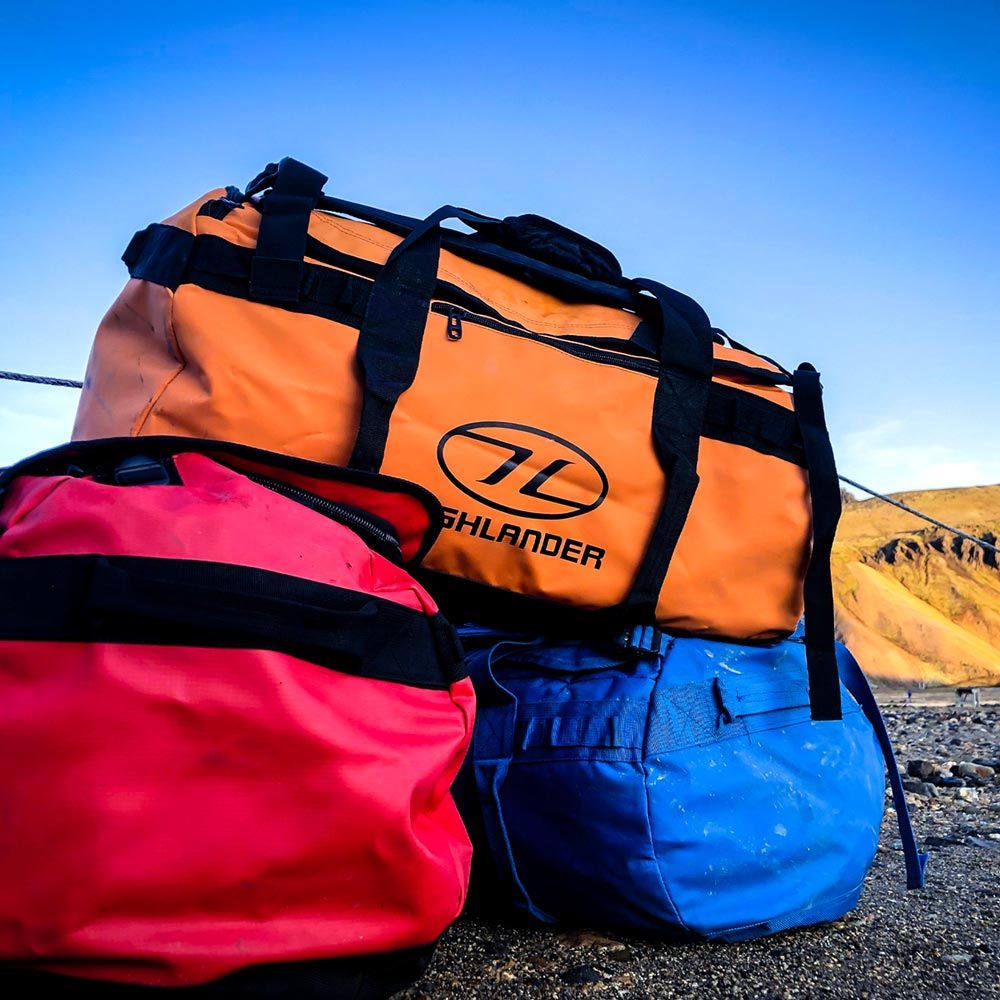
(189, 602)
(824, 496)
(856, 682)
(493, 747)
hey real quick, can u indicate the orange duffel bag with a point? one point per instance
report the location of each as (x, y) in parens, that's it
(596, 444)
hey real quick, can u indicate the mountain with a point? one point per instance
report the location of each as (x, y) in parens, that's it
(915, 602)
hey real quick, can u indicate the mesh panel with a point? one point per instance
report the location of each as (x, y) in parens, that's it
(689, 715)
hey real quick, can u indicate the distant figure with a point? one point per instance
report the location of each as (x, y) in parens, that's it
(965, 695)
(909, 694)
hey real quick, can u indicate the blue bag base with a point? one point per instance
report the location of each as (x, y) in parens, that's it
(685, 794)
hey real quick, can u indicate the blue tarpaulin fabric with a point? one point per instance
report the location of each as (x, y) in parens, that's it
(686, 793)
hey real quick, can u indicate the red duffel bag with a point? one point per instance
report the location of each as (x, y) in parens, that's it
(229, 725)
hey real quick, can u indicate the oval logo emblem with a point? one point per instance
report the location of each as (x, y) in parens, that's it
(522, 470)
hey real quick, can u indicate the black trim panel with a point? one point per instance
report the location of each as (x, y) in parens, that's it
(361, 977)
(186, 602)
(466, 601)
(463, 600)
(219, 208)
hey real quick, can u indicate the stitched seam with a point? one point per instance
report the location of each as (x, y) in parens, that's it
(507, 310)
(649, 806)
(792, 913)
(605, 755)
(175, 346)
(59, 481)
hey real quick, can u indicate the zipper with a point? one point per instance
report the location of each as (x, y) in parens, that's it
(457, 317)
(454, 328)
(370, 527)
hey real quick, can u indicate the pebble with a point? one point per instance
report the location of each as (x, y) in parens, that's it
(920, 787)
(925, 770)
(990, 845)
(580, 975)
(967, 770)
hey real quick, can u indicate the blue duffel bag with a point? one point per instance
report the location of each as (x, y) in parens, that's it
(681, 790)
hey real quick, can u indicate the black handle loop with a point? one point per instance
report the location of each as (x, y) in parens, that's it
(565, 278)
(393, 329)
(277, 265)
(550, 243)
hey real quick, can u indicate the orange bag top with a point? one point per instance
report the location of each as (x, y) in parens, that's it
(603, 455)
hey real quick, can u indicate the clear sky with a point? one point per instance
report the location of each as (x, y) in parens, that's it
(822, 177)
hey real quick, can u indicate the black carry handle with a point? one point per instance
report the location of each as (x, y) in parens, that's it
(392, 331)
(389, 352)
(277, 265)
(527, 247)
(551, 243)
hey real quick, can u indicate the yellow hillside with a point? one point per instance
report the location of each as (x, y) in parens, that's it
(914, 602)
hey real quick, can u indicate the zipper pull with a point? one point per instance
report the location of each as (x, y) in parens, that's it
(722, 713)
(454, 328)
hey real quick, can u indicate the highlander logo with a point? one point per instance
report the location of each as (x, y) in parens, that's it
(522, 470)
(526, 472)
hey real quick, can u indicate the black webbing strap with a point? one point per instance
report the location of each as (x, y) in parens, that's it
(680, 404)
(181, 602)
(824, 496)
(160, 254)
(856, 682)
(393, 330)
(276, 270)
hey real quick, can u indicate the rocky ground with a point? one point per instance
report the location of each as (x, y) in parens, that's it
(943, 941)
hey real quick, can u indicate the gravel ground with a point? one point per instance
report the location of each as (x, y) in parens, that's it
(943, 941)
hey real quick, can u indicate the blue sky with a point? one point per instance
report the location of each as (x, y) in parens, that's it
(823, 178)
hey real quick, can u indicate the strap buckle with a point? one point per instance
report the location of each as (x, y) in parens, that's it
(644, 641)
(141, 470)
